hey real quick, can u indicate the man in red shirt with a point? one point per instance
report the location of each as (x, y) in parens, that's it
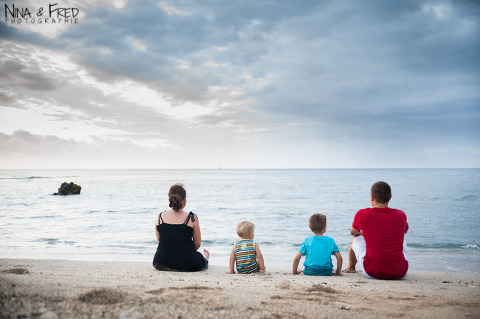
(378, 244)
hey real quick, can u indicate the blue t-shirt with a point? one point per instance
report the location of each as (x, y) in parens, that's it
(318, 251)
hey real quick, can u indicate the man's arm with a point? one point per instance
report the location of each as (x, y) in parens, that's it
(355, 232)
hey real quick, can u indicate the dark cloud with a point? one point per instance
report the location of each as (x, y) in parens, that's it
(11, 33)
(193, 36)
(16, 73)
(5, 99)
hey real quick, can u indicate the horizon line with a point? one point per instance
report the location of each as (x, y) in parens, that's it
(246, 168)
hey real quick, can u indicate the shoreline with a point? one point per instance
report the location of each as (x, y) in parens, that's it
(46, 288)
(420, 261)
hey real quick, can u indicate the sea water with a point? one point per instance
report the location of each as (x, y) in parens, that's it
(114, 217)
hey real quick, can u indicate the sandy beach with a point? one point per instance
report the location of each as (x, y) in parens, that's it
(49, 289)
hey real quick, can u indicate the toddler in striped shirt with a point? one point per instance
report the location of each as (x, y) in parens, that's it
(246, 254)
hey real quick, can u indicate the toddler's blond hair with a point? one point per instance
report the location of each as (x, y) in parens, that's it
(244, 228)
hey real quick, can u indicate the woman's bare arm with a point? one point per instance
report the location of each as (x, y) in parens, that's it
(197, 234)
(156, 232)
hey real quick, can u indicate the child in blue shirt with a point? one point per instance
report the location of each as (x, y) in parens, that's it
(318, 250)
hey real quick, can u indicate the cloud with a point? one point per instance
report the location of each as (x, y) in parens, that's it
(29, 77)
(169, 9)
(24, 149)
(15, 72)
(137, 44)
(256, 75)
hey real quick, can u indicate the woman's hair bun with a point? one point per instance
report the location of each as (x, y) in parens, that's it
(176, 195)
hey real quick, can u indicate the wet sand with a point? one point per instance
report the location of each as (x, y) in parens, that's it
(49, 289)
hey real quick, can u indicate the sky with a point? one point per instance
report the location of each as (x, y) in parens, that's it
(240, 84)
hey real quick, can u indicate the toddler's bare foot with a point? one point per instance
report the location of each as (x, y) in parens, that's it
(206, 254)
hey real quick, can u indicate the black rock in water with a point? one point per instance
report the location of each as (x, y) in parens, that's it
(69, 189)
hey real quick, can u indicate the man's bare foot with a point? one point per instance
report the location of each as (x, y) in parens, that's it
(352, 260)
(349, 270)
(206, 254)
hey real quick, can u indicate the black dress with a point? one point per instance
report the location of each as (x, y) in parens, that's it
(176, 250)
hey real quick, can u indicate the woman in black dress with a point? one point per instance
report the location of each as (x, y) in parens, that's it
(178, 236)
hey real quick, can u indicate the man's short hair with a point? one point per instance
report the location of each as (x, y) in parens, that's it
(244, 228)
(381, 192)
(317, 223)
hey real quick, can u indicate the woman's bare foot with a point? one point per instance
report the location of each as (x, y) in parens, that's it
(206, 254)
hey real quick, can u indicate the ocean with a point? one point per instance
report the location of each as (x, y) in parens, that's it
(113, 217)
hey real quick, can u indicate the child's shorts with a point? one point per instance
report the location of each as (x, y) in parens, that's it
(317, 272)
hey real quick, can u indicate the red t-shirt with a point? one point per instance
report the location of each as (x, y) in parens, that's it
(383, 230)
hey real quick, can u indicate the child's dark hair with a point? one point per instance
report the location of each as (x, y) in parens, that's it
(176, 195)
(317, 223)
(381, 192)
